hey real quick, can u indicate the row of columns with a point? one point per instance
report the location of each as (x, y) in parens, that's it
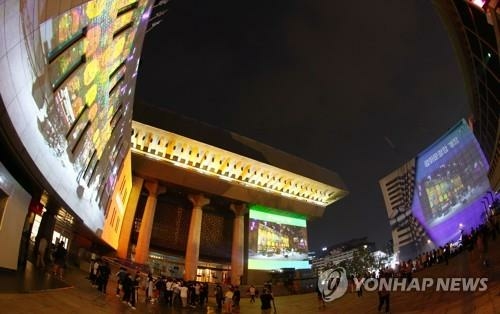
(193, 241)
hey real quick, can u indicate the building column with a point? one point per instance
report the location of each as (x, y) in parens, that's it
(48, 222)
(193, 242)
(237, 252)
(142, 247)
(128, 218)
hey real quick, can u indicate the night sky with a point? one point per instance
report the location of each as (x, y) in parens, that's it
(356, 87)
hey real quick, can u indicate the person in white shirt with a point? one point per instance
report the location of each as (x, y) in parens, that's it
(184, 294)
(149, 289)
(95, 267)
(228, 300)
(251, 291)
(170, 291)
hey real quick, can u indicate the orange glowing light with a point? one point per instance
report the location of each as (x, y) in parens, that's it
(92, 40)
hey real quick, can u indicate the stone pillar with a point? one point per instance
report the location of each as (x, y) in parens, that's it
(142, 248)
(193, 242)
(237, 253)
(128, 218)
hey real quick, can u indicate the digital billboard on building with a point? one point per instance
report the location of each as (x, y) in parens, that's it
(67, 84)
(276, 239)
(451, 179)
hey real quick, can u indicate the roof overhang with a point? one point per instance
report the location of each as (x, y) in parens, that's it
(173, 158)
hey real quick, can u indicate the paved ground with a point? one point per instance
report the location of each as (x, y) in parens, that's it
(28, 280)
(80, 297)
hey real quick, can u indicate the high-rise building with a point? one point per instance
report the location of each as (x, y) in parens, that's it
(441, 193)
(474, 29)
(397, 190)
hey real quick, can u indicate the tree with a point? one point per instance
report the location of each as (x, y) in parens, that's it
(362, 262)
(382, 260)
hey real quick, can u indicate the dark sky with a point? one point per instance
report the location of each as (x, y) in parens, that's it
(356, 87)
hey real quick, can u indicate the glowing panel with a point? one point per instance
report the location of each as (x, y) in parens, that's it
(276, 239)
(213, 161)
(65, 107)
(451, 179)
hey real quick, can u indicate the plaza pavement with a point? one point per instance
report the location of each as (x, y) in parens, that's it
(80, 297)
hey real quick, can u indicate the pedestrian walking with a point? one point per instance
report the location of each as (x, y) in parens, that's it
(60, 260)
(228, 300)
(103, 273)
(383, 296)
(121, 275)
(266, 298)
(251, 291)
(219, 297)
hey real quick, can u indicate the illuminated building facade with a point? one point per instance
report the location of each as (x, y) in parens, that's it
(442, 192)
(474, 30)
(397, 189)
(341, 252)
(67, 87)
(179, 200)
(241, 209)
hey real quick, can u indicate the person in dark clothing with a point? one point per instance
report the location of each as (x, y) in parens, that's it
(127, 286)
(135, 286)
(359, 290)
(103, 276)
(161, 286)
(203, 295)
(60, 259)
(265, 299)
(446, 253)
(236, 297)
(383, 296)
(219, 296)
(121, 275)
(191, 294)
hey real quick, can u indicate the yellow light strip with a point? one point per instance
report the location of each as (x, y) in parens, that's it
(212, 161)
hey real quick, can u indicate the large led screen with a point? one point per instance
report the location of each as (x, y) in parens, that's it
(276, 239)
(451, 180)
(67, 84)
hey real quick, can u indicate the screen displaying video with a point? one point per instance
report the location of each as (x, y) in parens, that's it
(451, 180)
(276, 239)
(73, 73)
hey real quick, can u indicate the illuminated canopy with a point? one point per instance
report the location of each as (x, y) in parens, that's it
(236, 176)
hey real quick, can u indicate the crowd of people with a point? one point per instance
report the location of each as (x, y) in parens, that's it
(172, 292)
(477, 240)
(182, 294)
(478, 237)
(55, 254)
(99, 274)
(168, 291)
